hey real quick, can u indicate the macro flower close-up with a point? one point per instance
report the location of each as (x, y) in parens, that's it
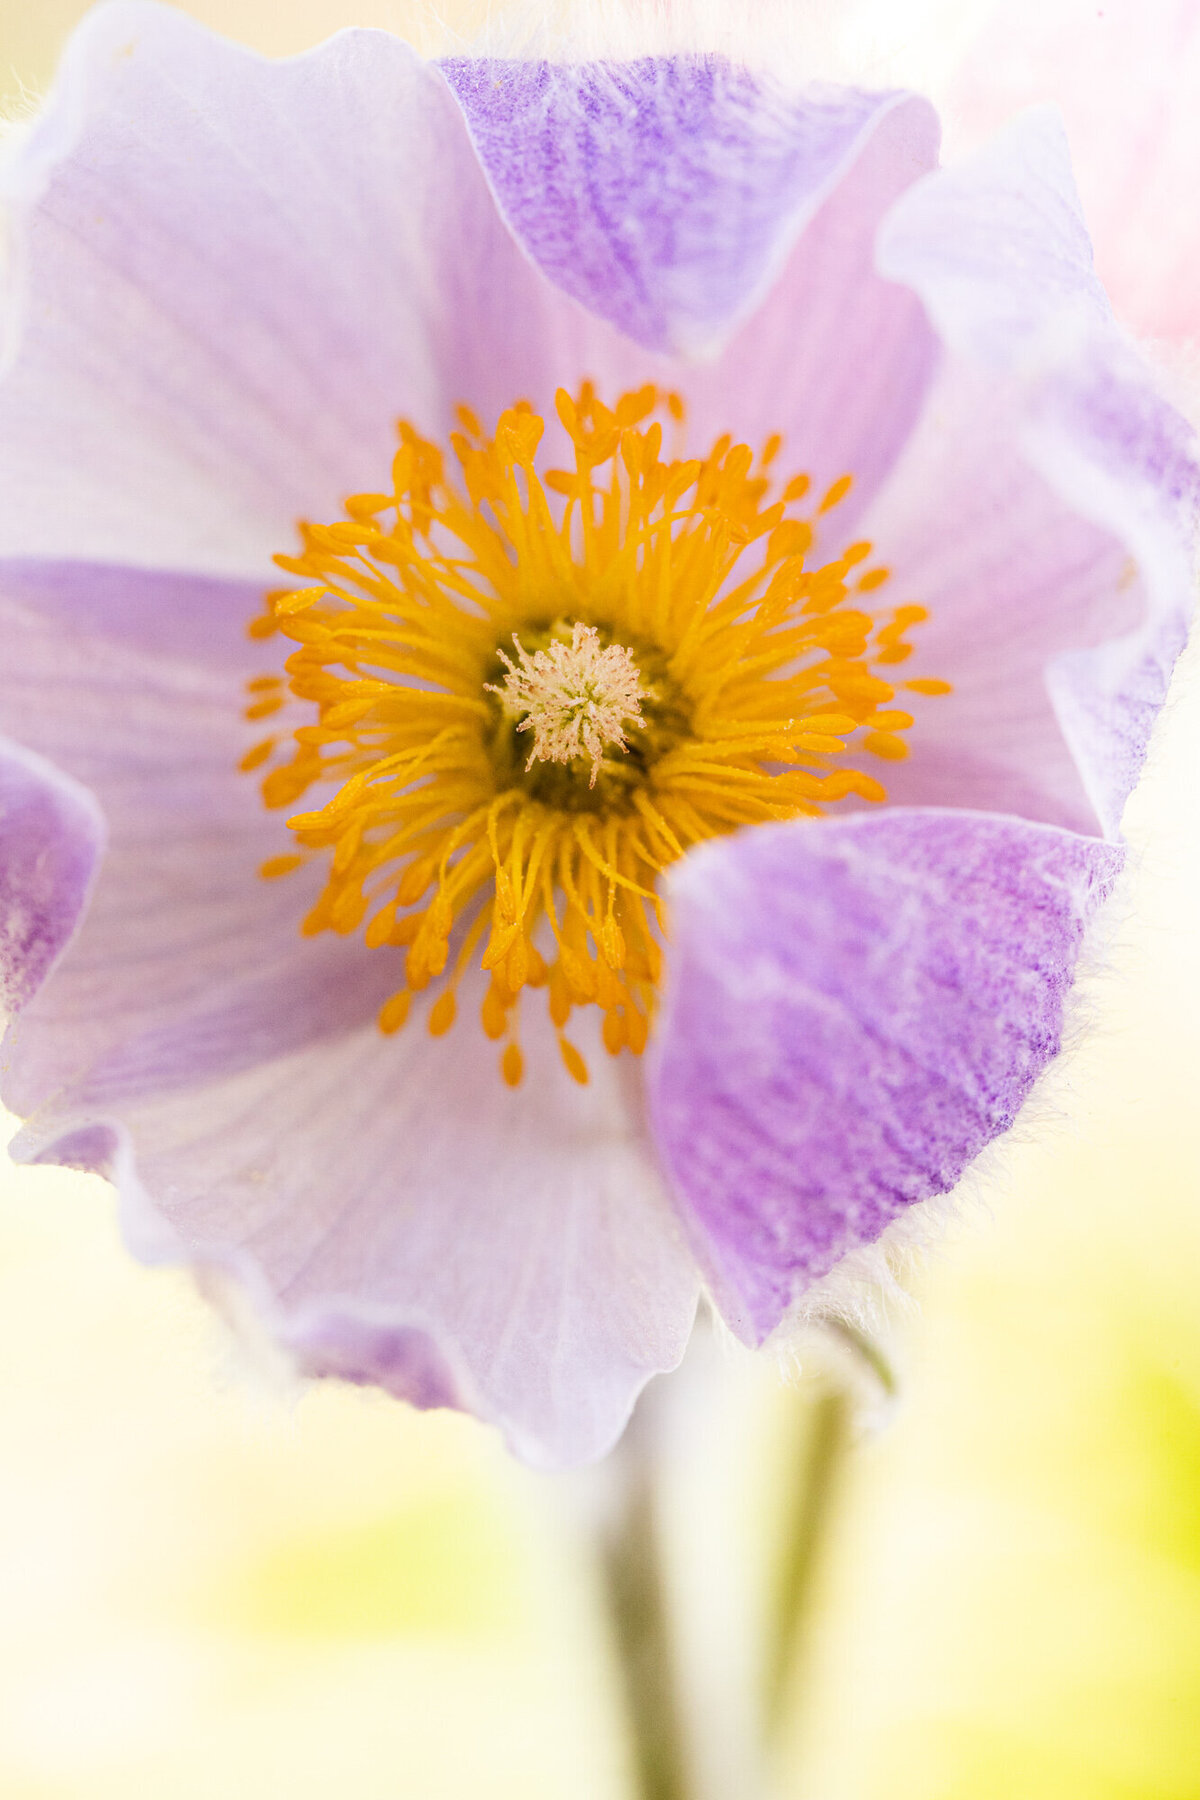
(576, 637)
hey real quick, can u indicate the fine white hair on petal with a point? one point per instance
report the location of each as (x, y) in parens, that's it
(869, 43)
(877, 1285)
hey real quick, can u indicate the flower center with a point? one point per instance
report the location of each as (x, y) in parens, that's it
(523, 695)
(576, 698)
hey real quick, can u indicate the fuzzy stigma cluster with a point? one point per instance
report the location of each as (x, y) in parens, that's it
(523, 693)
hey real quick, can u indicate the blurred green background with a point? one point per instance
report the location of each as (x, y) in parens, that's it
(212, 1588)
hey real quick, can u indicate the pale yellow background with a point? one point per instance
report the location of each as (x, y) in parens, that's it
(213, 1591)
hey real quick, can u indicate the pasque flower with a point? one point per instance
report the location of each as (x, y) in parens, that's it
(628, 826)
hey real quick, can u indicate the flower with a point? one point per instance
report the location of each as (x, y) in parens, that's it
(583, 288)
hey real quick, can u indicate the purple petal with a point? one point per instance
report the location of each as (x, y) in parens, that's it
(51, 838)
(180, 618)
(403, 1361)
(697, 206)
(1095, 605)
(287, 305)
(836, 359)
(665, 194)
(399, 1215)
(856, 1007)
(187, 961)
(232, 276)
(1013, 577)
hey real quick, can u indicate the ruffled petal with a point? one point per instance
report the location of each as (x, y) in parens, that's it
(231, 276)
(399, 1215)
(702, 209)
(51, 838)
(187, 961)
(855, 1009)
(666, 194)
(287, 305)
(1045, 508)
(1012, 577)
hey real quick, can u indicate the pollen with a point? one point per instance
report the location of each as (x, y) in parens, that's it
(576, 698)
(518, 693)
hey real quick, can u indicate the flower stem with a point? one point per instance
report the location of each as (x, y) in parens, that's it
(709, 1648)
(813, 1503)
(638, 1604)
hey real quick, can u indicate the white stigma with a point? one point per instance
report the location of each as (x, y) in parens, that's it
(576, 698)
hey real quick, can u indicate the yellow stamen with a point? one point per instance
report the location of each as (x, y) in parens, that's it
(680, 668)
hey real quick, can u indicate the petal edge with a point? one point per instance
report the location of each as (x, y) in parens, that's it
(51, 840)
(855, 1009)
